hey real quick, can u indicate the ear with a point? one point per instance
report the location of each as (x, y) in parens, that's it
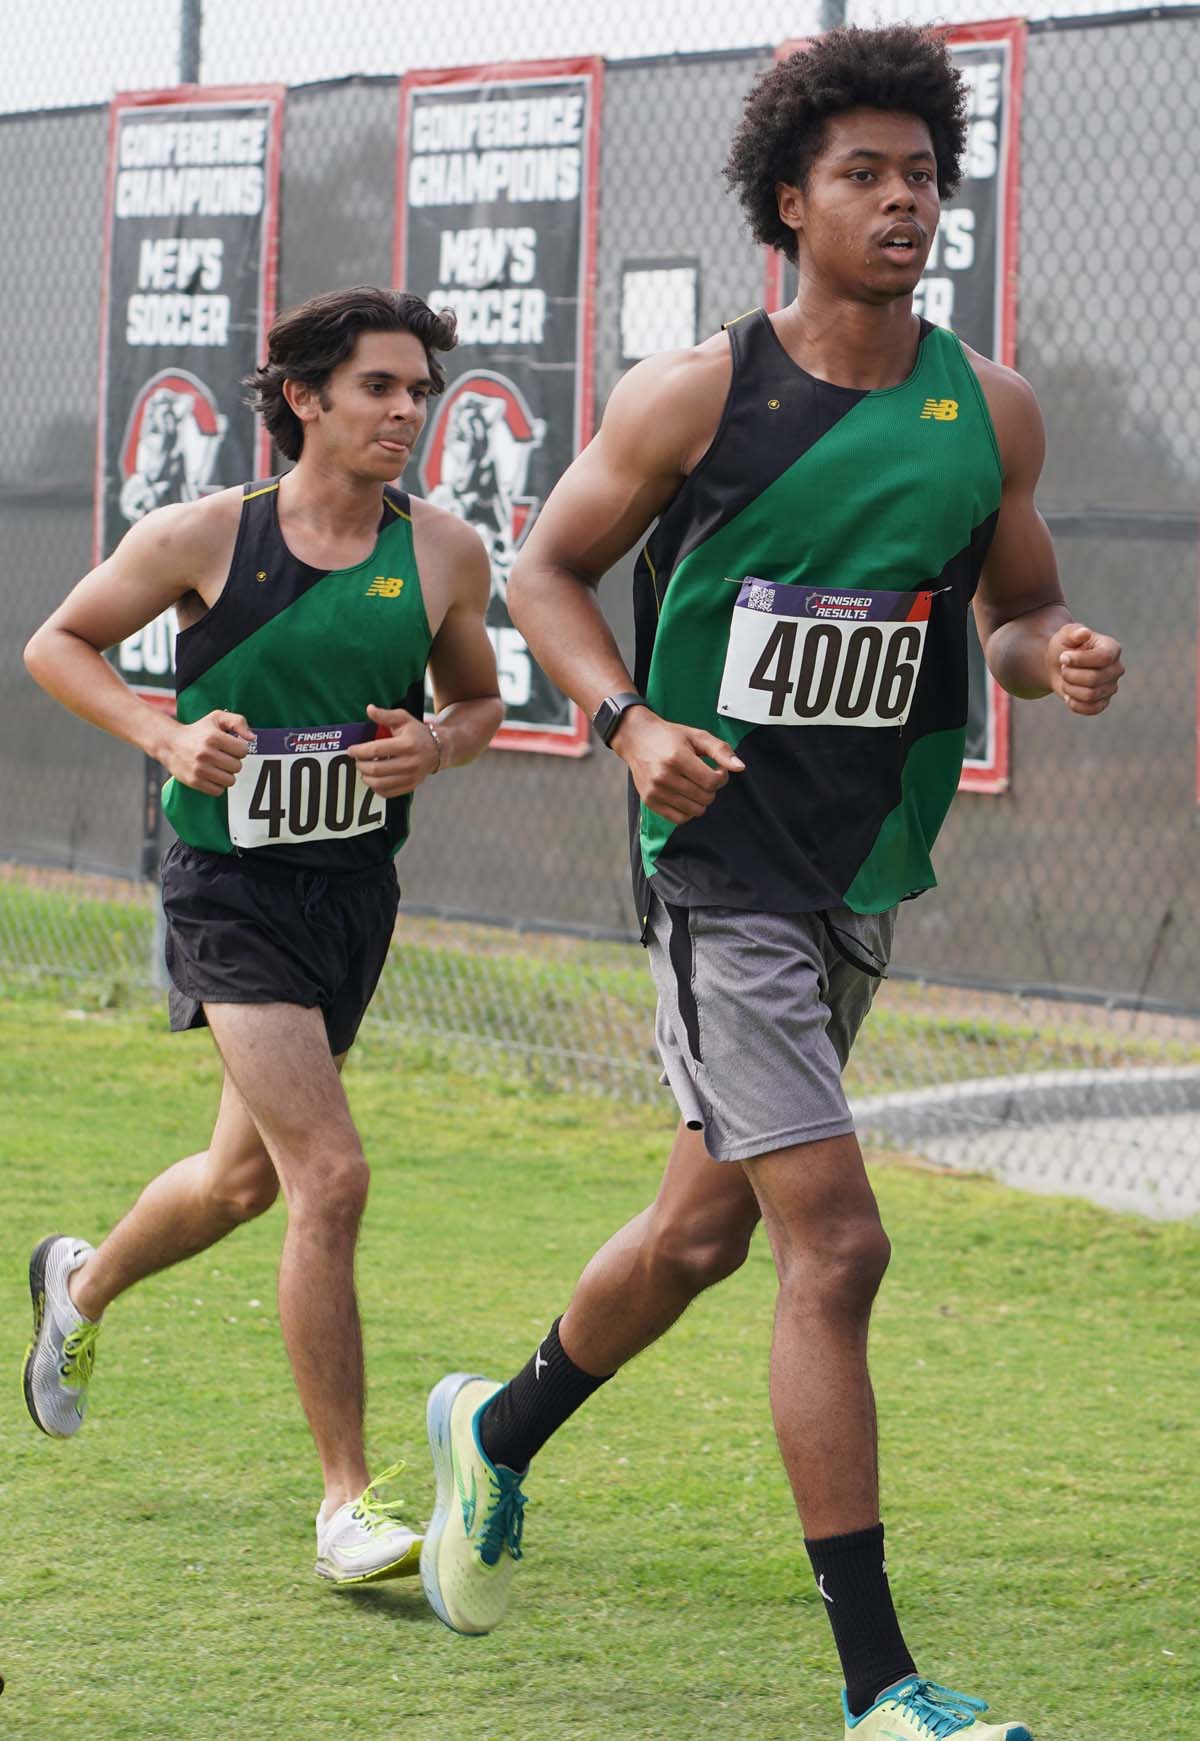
(791, 205)
(305, 401)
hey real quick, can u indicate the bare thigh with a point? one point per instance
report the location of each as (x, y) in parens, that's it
(237, 1159)
(287, 1084)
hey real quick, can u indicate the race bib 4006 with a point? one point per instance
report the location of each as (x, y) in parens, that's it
(799, 655)
(301, 785)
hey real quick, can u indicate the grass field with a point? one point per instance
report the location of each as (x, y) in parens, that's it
(1034, 1361)
(568, 1012)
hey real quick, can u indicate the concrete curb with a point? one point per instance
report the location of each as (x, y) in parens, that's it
(1051, 1096)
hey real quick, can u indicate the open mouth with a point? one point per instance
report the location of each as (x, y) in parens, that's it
(901, 244)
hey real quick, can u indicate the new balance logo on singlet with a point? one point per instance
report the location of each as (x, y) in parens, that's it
(385, 586)
(941, 410)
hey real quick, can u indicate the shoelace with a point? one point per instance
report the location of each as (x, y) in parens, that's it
(504, 1522)
(375, 1513)
(939, 1710)
(79, 1353)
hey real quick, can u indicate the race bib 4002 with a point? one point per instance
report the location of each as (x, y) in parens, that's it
(301, 785)
(801, 655)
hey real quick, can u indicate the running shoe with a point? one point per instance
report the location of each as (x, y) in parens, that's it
(59, 1360)
(474, 1539)
(367, 1540)
(917, 1710)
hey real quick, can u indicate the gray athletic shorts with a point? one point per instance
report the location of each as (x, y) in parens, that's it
(757, 1013)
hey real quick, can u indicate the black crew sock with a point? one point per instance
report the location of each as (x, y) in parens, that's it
(851, 1575)
(548, 1389)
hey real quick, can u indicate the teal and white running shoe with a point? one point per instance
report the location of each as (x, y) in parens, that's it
(917, 1710)
(59, 1359)
(474, 1539)
(367, 1540)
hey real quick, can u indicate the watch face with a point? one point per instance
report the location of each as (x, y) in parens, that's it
(609, 712)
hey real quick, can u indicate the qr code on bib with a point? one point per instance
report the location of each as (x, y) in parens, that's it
(760, 598)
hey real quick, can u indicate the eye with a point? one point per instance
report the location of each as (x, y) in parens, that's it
(922, 175)
(861, 175)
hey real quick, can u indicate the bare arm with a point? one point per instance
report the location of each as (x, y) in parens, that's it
(660, 416)
(461, 665)
(1032, 644)
(156, 564)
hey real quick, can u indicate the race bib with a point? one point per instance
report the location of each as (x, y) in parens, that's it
(301, 785)
(799, 655)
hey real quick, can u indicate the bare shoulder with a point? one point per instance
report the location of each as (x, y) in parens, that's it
(1006, 392)
(450, 554)
(1016, 414)
(667, 408)
(188, 539)
(676, 381)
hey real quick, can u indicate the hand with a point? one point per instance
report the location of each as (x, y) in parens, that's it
(1085, 667)
(667, 763)
(207, 756)
(397, 763)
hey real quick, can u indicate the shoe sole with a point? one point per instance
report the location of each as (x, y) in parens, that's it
(405, 1567)
(37, 1295)
(437, 1423)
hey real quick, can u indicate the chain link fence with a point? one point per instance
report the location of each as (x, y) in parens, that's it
(1043, 1018)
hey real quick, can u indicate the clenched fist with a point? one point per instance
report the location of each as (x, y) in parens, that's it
(1085, 667)
(668, 763)
(207, 756)
(397, 763)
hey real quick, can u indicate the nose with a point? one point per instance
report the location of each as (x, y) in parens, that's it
(403, 407)
(900, 196)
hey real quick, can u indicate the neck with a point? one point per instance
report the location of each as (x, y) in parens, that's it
(847, 342)
(326, 496)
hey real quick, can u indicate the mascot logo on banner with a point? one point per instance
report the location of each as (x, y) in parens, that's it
(476, 463)
(170, 444)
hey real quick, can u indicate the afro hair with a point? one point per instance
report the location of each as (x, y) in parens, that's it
(900, 68)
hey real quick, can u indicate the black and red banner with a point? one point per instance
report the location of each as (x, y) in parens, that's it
(496, 219)
(189, 292)
(969, 285)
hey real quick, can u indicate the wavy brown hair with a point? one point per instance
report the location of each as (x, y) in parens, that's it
(307, 344)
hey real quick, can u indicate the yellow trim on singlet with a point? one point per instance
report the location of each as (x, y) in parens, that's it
(400, 511)
(726, 324)
(648, 560)
(265, 491)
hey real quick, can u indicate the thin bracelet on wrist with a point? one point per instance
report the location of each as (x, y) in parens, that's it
(439, 745)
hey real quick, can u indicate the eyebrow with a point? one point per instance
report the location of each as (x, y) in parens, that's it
(922, 156)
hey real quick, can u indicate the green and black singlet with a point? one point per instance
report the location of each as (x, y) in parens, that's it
(804, 596)
(301, 652)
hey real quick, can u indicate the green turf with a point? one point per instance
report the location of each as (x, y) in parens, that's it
(562, 1010)
(1033, 1360)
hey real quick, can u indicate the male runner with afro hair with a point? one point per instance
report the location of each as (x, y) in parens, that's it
(820, 495)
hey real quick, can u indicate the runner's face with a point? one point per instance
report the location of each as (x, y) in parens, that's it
(373, 405)
(866, 219)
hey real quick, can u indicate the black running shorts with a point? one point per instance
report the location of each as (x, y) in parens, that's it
(237, 934)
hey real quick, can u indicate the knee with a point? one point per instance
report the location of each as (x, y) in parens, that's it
(248, 1190)
(697, 1253)
(330, 1189)
(842, 1262)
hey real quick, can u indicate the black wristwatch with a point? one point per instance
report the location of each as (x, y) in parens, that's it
(608, 715)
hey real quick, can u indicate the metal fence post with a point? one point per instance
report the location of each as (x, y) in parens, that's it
(191, 19)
